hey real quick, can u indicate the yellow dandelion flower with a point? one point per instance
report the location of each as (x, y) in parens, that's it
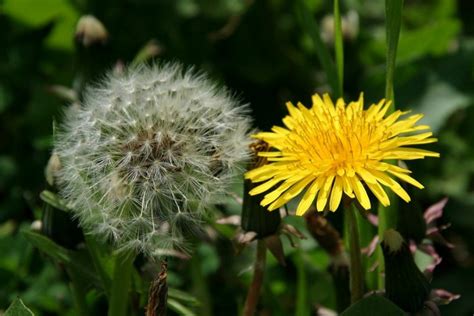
(334, 149)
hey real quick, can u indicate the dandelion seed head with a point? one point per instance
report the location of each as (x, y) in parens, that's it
(148, 152)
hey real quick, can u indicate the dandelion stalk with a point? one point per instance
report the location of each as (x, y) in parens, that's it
(257, 280)
(122, 280)
(356, 276)
(78, 294)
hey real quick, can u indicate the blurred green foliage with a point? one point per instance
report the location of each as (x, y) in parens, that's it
(259, 50)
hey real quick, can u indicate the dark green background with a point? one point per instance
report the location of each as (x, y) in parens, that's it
(267, 60)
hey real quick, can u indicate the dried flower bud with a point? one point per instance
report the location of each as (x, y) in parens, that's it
(255, 217)
(89, 30)
(349, 27)
(52, 169)
(147, 153)
(324, 233)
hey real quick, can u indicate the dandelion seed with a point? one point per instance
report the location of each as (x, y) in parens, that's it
(334, 149)
(148, 152)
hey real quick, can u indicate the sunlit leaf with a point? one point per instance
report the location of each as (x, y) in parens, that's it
(17, 308)
(36, 13)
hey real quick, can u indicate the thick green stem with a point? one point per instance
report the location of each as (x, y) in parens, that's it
(119, 293)
(338, 48)
(97, 259)
(257, 281)
(356, 276)
(78, 294)
(200, 287)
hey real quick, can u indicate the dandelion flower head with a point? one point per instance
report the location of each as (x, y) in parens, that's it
(333, 149)
(147, 152)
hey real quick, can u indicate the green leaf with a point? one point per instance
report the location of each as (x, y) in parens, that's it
(441, 99)
(374, 305)
(179, 308)
(17, 308)
(48, 246)
(54, 200)
(432, 39)
(309, 25)
(182, 296)
(78, 261)
(36, 13)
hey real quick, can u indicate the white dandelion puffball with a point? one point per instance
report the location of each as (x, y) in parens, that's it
(147, 153)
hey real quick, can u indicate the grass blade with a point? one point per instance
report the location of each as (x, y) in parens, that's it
(309, 25)
(388, 215)
(393, 16)
(338, 48)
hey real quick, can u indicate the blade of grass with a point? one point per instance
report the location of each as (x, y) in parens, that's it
(338, 48)
(309, 25)
(393, 16)
(388, 215)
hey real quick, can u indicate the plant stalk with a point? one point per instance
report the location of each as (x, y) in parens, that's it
(356, 276)
(122, 280)
(257, 281)
(78, 294)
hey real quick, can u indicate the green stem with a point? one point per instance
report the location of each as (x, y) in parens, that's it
(78, 294)
(94, 249)
(200, 287)
(122, 280)
(301, 286)
(357, 281)
(338, 48)
(257, 281)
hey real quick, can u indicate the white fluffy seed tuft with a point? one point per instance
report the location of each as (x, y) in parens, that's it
(147, 153)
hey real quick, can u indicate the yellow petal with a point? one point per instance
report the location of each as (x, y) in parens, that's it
(379, 193)
(309, 196)
(407, 178)
(336, 194)
(392, 184)
(360, 192)
(264, 187)
(272, 196)
(324, 193)
(347, 187)
(290, 193)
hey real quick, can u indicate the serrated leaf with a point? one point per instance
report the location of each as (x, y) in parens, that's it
(18, 308)
(374, 305)
(54, 200)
